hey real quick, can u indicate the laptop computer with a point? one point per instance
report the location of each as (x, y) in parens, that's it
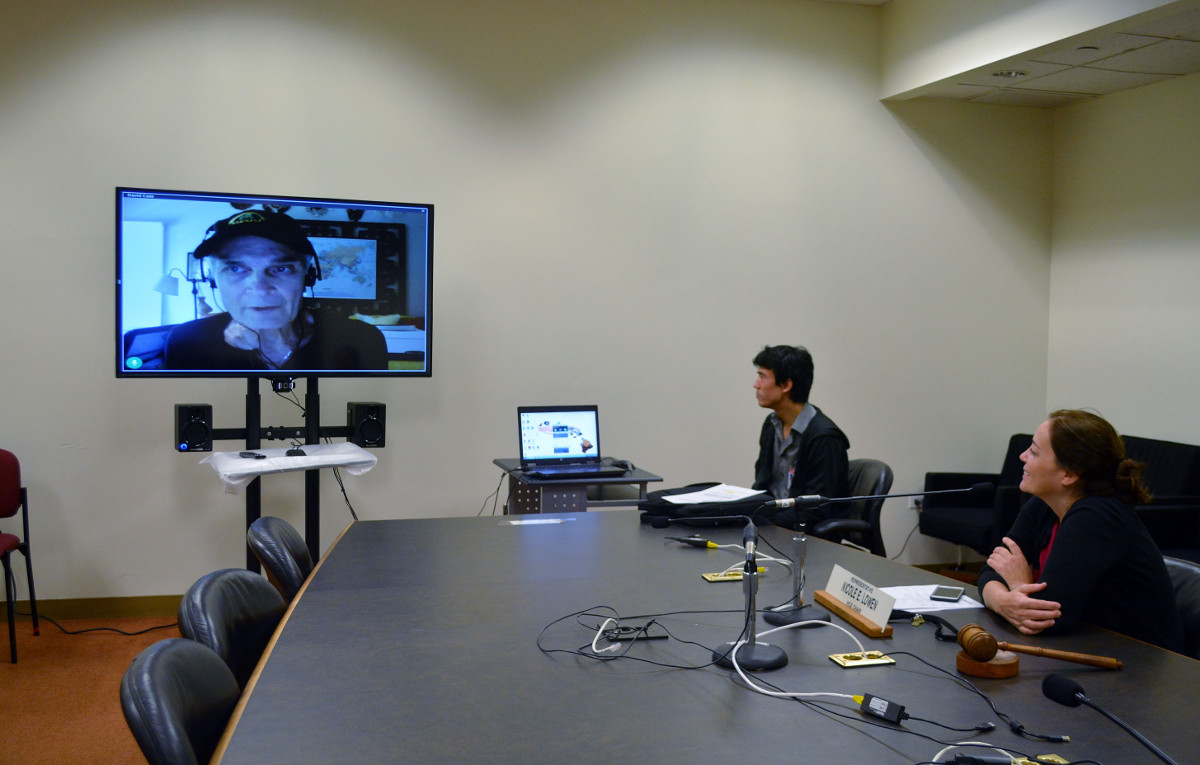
(562, 442)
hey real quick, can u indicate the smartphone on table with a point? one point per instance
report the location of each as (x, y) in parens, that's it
(947, 593)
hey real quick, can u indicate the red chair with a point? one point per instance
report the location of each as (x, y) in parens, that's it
(12, 499)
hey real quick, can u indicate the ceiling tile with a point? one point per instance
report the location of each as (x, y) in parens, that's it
(1185, 25)
(955, 90)
(1029, 98)
(986, 75)
(1118, 57)
(1163, 57)
(1087, 80)
(1094, 50)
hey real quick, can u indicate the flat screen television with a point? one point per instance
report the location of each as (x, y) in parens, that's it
(244, 285)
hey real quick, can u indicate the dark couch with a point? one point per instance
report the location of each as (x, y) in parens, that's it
(971, 520)
(1172, 517)
(1173, 475)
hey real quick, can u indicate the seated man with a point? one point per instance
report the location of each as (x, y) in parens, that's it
(259, 263)
(800, 450)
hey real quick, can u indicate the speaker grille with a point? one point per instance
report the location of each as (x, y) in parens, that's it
(193, 427)
(365, 422)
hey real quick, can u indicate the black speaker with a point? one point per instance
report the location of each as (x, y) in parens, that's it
(193, 427)
(365, 423)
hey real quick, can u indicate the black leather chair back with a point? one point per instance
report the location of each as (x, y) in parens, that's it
(234, 612)
(860, 525)
(1013, 468)
(282, 552)
(867, 477)
(1172, 469)
(1185, 578)
(178, 696)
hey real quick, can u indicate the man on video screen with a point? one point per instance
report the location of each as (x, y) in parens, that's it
(258, 263)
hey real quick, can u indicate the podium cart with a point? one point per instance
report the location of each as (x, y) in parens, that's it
(527, 494)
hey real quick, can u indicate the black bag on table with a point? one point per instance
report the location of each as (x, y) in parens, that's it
(660, 513)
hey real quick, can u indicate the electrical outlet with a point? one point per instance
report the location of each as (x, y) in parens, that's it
(914, 503)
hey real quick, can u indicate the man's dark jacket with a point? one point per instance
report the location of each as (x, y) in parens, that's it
(820, 468)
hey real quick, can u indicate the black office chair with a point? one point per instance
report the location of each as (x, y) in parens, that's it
(861, 526)
(234, 612)
(178, 696)
(976, 521)
(282, 552)
(1185, 578)
(13, 498)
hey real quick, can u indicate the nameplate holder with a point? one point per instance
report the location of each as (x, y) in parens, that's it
(857, 601)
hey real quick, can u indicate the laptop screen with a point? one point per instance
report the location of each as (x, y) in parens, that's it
(558, 435)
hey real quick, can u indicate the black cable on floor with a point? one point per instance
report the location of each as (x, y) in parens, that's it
(65, 631)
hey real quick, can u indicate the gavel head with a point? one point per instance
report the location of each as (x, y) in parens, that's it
(977, 642)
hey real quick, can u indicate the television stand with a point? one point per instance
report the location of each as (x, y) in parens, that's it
(311, 433)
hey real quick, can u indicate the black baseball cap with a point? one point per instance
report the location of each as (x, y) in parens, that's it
(265, 223)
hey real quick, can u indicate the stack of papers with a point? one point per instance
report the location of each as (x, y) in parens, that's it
(719, 493)
(915, 597)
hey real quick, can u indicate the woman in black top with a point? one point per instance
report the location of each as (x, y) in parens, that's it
(1078, 551)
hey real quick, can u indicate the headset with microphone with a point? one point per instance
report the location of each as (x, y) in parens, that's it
(268, 224)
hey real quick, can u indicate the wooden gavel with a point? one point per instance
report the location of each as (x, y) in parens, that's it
(982, 646)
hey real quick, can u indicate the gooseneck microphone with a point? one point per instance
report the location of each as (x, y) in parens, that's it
(816, 500)
(750, 541)
(1069, 693)
(750, 655)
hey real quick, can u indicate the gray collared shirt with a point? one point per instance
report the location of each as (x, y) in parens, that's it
(783, 471)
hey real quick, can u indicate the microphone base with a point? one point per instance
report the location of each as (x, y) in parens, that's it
(755, 657)
(782, 617)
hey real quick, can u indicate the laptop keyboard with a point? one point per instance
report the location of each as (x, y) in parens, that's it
(574, 471)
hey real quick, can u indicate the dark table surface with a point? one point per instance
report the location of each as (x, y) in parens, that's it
(456, 639)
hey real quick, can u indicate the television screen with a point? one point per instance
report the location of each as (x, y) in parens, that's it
(240, 285)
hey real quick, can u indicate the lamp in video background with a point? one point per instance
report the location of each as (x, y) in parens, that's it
(169, 285)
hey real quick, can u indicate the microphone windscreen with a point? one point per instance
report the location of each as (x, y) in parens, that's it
(659, 521)
(984, 489)
(1062, 689)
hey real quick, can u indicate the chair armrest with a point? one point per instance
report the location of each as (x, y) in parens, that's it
(1187, 503)
(833, 529)
(1173, 522)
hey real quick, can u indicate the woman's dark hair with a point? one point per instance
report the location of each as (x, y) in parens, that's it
(1088, 446)
(788, 362)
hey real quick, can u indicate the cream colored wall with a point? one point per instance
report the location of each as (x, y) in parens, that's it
(632, 198)
(1125, 295)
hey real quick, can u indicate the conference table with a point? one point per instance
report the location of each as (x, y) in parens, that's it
(470, 639)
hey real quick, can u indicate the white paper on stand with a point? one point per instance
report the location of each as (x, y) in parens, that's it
(237, 471)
